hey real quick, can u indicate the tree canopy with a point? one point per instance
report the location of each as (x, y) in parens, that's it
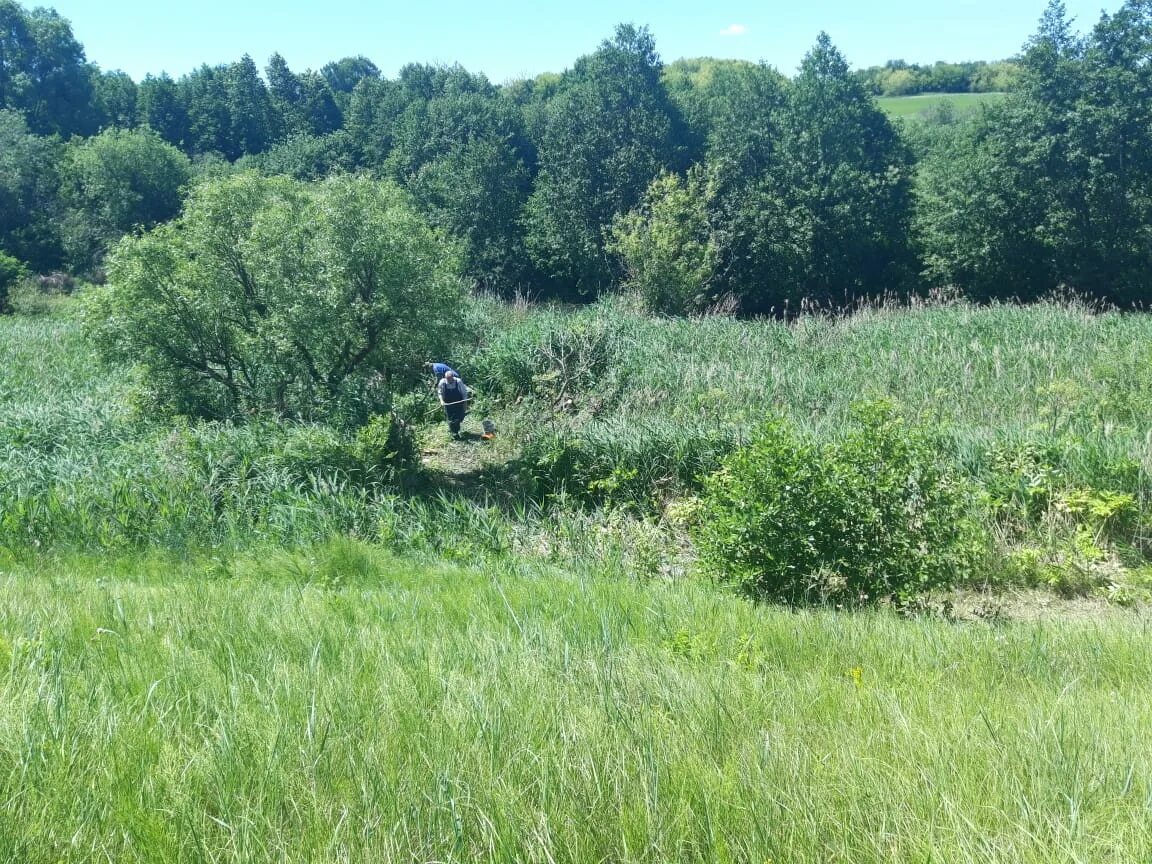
(268, 295)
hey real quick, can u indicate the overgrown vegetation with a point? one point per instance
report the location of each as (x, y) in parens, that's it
(234, 422)
(609, 423)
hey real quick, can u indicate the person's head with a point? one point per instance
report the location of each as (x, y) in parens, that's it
(449, 375)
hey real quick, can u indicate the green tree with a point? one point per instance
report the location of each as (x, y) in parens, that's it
(204, 95)
(830, 220)
(320, 106)
(611, 130)
(305, 157)
(271, 295)
(286, 93)
(29, 204)
(118, 181)
(344, 74)
(1052, 188)
(252, 128)
(465, 158)
(304, 104)
(43, 72)
(114, 99)
(668, 245)
(161, 109)
(373, 109)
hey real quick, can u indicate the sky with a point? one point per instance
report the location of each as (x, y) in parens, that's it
(521, 38)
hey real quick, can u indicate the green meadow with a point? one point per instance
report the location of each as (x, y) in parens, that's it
(230, 643)
(923, 104)
(340, 704)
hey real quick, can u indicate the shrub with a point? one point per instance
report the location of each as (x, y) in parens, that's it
(873, 515)
(669, 250)
(11, 272)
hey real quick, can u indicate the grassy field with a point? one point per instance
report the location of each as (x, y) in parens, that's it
(339, 704)
(921, 104)
(607, 419)
(228, 643)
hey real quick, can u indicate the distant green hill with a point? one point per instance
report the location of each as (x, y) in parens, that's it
(921, 104)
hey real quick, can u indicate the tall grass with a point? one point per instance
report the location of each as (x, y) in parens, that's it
(337, 704)
(603, 407)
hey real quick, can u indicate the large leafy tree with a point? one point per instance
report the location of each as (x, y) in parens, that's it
(344, 74)
(43, 72)
(251, 126)
(373, 108)
(271, 295)
(29, 179)
(1053, 188)
(838, 199)
(607, 134)
(466, 160)
(204, 95)
(302, 104)
(114, 99)
(159, 107)
(116, 182)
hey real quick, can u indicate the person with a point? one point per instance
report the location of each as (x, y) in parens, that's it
(454, 397)
(439, 369)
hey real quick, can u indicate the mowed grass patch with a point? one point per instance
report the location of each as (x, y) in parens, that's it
(341, 704)
(922, 104)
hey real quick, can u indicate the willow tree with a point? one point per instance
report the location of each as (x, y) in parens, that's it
(272, 296)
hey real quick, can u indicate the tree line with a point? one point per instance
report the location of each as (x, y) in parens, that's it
(897, 78)
(694, 184)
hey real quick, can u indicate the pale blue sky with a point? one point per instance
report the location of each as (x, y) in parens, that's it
(518, 39)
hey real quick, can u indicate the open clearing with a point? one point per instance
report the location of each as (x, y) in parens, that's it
(920, 104)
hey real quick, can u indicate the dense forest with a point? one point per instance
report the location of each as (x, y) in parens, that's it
(694, 184)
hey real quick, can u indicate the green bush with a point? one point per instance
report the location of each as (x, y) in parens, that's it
(871, 515)
(11, 272)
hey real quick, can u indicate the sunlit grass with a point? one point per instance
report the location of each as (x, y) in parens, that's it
(338, 704)
(921, 104)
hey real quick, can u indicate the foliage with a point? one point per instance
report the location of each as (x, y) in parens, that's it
(618, 464)
(668, 247)
(115, 182)
(12, 272)
(837, 210)
(466, 159)
(304, 157)
(29, 200)
(872, 514)
(897, 78)
(268, 295)
(43, 73)
(1051, 188)
(608, 133)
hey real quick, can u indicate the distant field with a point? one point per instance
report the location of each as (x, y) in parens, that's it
(339, 704)
(915, 106)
